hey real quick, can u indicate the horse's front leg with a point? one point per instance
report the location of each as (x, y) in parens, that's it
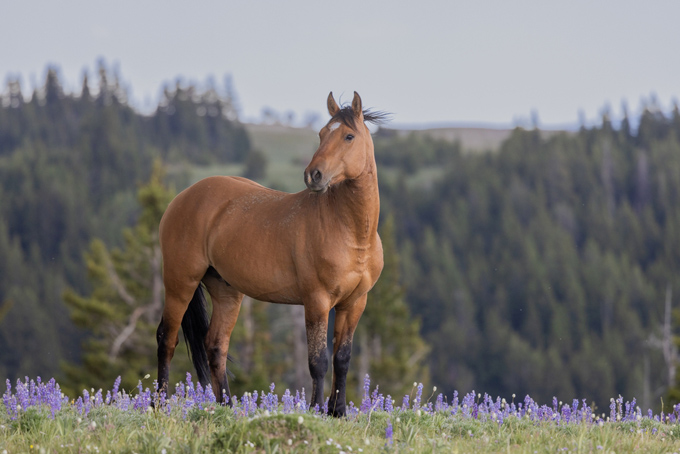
(316, 324)
(347, 317)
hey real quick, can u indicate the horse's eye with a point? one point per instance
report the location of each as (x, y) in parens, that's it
(349, 137)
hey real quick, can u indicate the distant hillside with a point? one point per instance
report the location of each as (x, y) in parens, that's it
(283, 143)
(470, 138)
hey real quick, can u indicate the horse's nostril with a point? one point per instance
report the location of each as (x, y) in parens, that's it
(316, 176)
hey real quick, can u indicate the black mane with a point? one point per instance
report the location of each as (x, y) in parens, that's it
(346, 116)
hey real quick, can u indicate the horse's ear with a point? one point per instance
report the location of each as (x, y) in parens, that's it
(356, 106)
(333, 107)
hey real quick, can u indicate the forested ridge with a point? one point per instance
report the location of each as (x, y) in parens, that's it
(70, 166)
(541, 268)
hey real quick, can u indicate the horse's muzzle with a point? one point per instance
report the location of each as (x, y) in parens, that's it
(315, 180)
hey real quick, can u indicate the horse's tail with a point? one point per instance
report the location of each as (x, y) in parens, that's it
(195, 327)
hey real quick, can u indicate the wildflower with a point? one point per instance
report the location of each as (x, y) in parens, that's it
(367, 442)
(388, 432)
(300, 420)
(145, 377)
(93, 425)
(289, 442)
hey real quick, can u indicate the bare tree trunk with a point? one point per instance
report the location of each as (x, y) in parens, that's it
(646, 387)
(670, 350)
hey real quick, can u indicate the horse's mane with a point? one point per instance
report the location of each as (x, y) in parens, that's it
(346, 116)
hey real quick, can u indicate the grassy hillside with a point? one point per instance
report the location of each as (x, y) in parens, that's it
(288, 151)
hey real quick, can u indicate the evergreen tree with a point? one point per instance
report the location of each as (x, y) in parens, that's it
(123, 310)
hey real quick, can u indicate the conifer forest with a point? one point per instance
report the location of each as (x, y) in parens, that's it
(549, 267)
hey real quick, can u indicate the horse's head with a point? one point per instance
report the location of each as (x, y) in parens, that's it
(346, 148)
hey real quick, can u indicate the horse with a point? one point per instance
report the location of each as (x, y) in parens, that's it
(318, 248)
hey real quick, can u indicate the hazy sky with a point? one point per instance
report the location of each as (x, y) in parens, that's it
(425, 61)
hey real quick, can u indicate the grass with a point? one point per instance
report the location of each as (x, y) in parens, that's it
(218, 430)
(37, 418)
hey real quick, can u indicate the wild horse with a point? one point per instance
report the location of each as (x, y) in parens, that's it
(319, 248)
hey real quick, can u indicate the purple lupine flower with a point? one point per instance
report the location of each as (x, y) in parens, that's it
(419, 394)
(439, 406)
(32, 393)
(288, 404)
(116, 385)
(454, 403)
(388, 404)
(388, 433)
(253, 403)
(404, 403)
(374, 397)
(296, 400)
(22, 394)
(352, 411)
(10, 402)
(242, 410)
(366, 400)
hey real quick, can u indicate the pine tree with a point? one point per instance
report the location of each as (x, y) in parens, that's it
(123, 310)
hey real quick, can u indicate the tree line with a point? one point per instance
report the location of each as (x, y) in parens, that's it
(542, 268)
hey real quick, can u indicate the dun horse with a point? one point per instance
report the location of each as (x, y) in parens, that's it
(318, 248)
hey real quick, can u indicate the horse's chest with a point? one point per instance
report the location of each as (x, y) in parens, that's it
(349, 271)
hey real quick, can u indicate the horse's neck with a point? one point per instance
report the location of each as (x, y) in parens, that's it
(357, 202)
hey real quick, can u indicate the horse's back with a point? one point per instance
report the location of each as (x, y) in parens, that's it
(233, 224)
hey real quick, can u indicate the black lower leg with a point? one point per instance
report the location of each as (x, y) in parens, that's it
(336, 405)
(318, 365)
(162, 355)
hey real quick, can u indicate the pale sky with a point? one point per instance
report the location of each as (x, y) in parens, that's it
(472, 62)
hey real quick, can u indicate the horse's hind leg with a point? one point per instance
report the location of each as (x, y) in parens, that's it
(226, 302)
(177, 300)
(346, 320)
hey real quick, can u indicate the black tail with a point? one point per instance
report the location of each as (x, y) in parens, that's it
(195, 327)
